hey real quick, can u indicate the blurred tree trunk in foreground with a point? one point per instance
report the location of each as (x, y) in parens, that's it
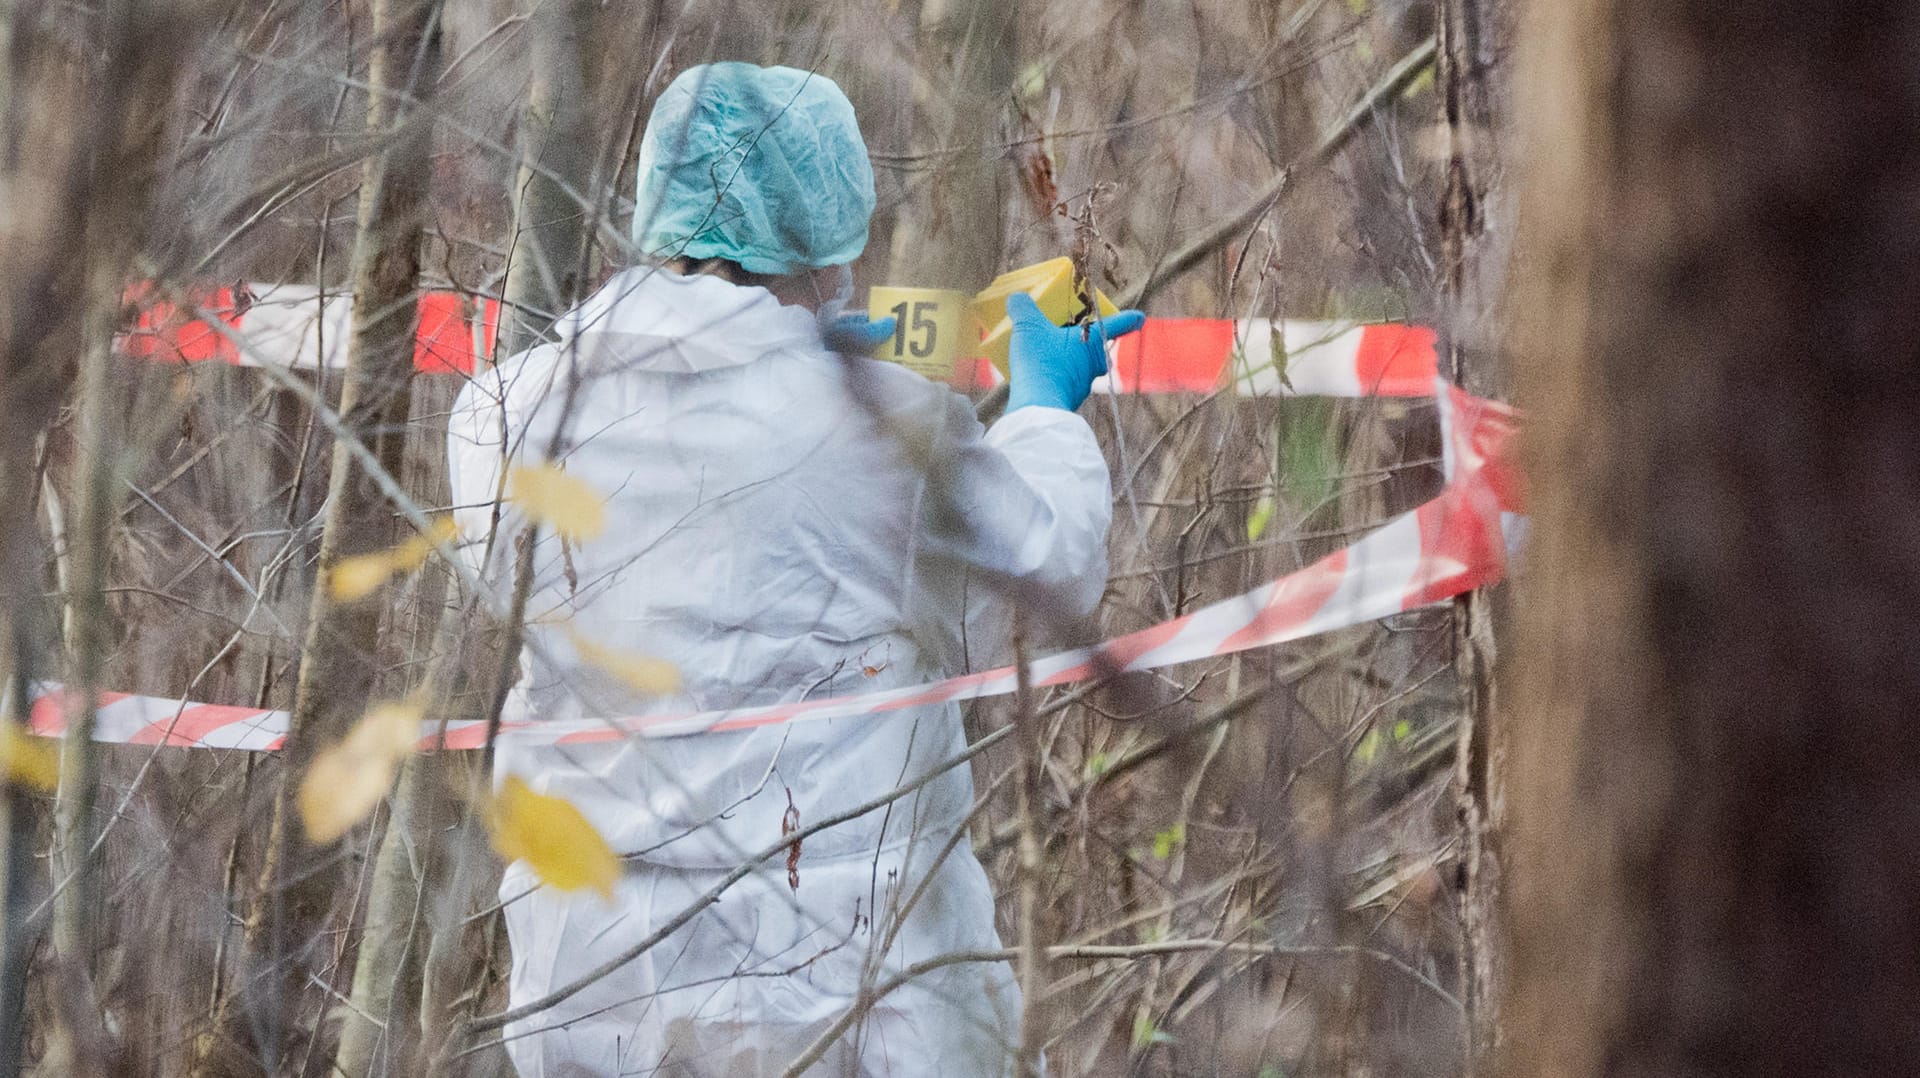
(1716, 781)
(339, 663)
(1476, 223)
(83, 139)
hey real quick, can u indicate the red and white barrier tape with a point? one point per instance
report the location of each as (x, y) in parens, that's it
(1450, 545)
(294, 325)
(1260, 357)
(297, 326)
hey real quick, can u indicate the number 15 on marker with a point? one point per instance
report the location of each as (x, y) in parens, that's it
(928, 324)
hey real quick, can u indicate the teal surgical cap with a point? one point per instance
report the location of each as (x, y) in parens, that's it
(762, 166)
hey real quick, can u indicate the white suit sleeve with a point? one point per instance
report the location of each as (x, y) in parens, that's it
(1022, 511)
(476, 441)
(486, 432)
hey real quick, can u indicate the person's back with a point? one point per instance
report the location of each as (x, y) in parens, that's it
(772, 535)
(783, 523)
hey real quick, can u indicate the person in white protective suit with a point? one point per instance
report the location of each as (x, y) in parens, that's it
(783, 523)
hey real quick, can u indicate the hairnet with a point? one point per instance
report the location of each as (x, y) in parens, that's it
(762, 166)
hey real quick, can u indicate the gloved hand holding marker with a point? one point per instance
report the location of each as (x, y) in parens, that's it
(1032, 324)
(1051, 366)
(856, 334)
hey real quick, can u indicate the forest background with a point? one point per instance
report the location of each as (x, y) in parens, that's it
(172, 920)
(1288, 862)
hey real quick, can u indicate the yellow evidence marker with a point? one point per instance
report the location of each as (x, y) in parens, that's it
(1050, 283)
(932, 330)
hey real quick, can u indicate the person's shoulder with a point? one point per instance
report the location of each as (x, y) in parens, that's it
(899, 389)
(938, 412)
(896, 380)
(515, 383)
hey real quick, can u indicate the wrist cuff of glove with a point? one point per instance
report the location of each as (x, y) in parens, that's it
(1017, 399)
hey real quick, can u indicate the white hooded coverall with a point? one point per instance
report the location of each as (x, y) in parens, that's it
(782, 524)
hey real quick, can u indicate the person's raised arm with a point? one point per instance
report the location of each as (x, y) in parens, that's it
(1021, 511)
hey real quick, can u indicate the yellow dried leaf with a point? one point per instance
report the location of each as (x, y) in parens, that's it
(346, 780)
(553, 838)
(360, 576)
(391, 729)
(644, 675)
(29, 761)
(341, 788)
(414, 553)
(550, 496)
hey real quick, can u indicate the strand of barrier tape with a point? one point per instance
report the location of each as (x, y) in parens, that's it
(1448, 546)
(289, 324)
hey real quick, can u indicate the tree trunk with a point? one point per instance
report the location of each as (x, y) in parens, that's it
(1715, 781)
(338, 668)
(379, 1026)
(1477, 223)
(82, 135)
(555, 212)
(957, 243)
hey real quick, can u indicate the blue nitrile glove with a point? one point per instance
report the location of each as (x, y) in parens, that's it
(853, 335)
(1052, 366)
